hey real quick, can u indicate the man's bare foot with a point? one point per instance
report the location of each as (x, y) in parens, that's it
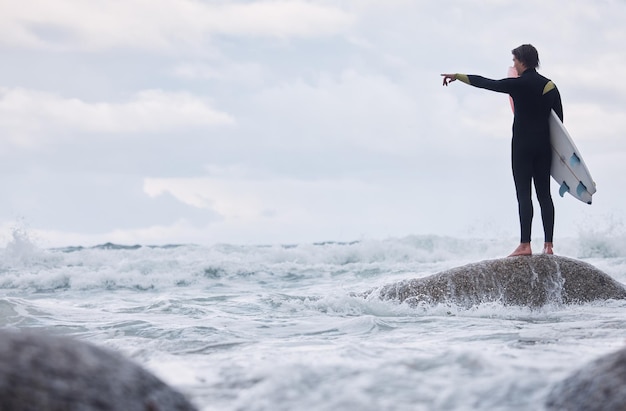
(522, 249)
(547, 248)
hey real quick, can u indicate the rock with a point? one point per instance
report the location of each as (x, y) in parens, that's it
(527, 281)
(599, 386)
(42, 372)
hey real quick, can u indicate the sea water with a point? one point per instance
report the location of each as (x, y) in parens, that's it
(284, 327)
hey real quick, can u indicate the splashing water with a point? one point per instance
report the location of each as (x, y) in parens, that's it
(283, 327)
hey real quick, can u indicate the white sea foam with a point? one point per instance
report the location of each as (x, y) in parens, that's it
(284, 327)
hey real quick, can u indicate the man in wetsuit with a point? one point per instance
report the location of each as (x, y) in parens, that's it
(534, 96)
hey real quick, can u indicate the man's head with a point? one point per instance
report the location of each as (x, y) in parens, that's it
(525, 57)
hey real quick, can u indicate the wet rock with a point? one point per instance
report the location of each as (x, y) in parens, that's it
(599, 386)
(42, 372)
(528, 281)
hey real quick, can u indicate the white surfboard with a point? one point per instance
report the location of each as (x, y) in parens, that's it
(568, 168)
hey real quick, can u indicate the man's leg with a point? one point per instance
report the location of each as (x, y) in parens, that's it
(522, 175)
(542, 188)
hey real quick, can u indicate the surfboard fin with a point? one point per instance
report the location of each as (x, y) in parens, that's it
(574, 160)
(564, 189)
(581, 188)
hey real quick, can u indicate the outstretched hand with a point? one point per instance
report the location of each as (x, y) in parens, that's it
(448, 78)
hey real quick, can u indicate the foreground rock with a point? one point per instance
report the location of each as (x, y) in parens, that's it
(49, 373)
(528, 281)
(600, 386)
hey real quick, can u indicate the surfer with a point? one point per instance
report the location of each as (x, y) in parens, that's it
(534, 96)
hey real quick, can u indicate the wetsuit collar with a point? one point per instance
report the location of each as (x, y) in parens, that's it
(528, 71)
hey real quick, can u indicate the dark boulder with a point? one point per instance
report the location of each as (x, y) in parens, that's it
(599, 386)
(42, 372)
(527, 281)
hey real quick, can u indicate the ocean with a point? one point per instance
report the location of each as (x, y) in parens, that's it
(284, 327)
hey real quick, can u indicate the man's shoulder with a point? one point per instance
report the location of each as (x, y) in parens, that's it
(542, 77)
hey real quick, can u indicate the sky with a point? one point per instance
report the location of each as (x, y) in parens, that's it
(274, 122)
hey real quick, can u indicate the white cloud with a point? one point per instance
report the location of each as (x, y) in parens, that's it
(284, 209)
(230, 199)
(349, 109)
(339, 110)
(278, 209)
(248, 200)
(595, 122)
(28, 116)
(240, 74)
(156, 24)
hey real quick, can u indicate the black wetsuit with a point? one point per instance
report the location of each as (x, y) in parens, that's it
(534, 96)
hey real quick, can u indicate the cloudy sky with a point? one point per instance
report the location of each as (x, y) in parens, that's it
(272, 121)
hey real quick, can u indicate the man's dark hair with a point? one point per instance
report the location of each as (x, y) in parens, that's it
(527, 54)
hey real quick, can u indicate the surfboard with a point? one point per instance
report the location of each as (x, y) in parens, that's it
(568, 168)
